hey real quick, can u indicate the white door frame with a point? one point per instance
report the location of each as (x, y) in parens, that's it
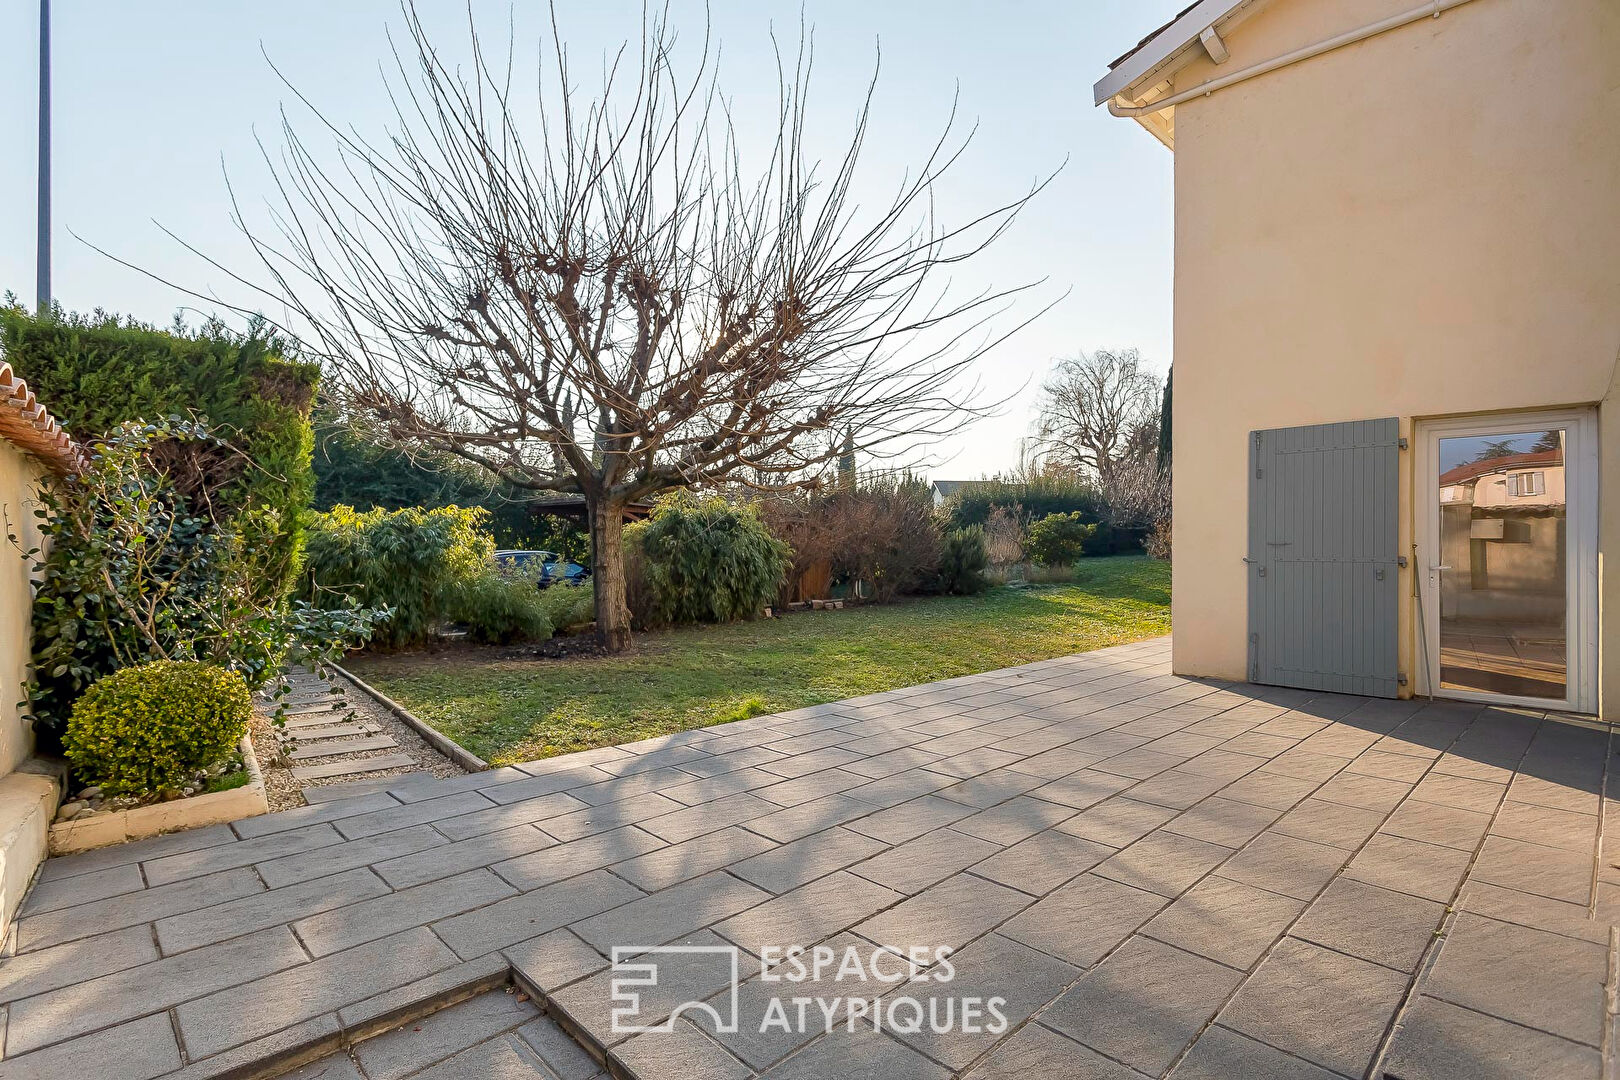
(1581, 534)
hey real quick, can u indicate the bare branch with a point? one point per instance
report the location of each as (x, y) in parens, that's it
(594, 294)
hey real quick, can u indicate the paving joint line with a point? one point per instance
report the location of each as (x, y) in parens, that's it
(1448, 918)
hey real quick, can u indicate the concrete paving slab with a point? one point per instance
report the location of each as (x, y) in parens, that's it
(1143, 1005)
(1297, 846)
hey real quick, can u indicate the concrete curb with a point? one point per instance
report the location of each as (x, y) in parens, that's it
(439, 741)
(122, 826)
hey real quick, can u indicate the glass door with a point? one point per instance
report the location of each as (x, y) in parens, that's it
(1506, 596)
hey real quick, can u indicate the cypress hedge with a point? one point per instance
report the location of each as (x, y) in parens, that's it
(1035, 498)
(98, 371)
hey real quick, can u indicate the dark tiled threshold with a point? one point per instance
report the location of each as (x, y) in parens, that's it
(499, 1033)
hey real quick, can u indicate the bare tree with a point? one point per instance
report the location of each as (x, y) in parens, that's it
(592, 294)
(1099, 416)
(1138, 492)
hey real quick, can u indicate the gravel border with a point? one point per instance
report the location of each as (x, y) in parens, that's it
(285, 793)
(435, 738)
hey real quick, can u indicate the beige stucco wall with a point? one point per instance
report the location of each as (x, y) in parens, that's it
(19, 480)
(1426, 223)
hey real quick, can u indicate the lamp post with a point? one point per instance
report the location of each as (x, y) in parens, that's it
(43, 267)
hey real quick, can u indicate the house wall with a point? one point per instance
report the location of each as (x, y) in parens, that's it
(1425, 223)
(20, 477)
(1492, 489)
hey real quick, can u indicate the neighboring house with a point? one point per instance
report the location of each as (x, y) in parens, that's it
(1511, 482)
(944, 489)
(1397, 252)
(1501, 525)
(32, 447)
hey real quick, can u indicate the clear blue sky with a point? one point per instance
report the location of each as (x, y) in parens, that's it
(151, 97)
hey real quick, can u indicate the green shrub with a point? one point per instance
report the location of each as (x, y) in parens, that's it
(1059, 539)
(144, 730)
(568, 605)
(351, 470)
(1038, 497)
(708, 560)
(100, 371)
(414, 562)
(499, 607)
(962, 562)
(129, 573)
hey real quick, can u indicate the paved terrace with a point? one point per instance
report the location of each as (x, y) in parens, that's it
(1162, 876)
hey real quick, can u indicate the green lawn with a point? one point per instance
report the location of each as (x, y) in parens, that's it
(506, 711)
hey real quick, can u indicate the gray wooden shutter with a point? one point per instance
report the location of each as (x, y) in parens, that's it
(1323, 552)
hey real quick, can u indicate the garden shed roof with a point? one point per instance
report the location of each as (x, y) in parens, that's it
(29, 426)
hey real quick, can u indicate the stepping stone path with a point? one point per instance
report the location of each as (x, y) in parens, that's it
(320, 728)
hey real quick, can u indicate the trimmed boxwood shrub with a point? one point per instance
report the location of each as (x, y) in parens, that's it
(144, 730)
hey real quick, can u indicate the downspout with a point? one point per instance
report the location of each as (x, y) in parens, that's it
(1431, 10)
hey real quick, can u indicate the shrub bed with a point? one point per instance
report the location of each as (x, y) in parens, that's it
(416, 563)
(132, 571)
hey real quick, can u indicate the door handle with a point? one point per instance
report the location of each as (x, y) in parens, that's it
(1439, 568)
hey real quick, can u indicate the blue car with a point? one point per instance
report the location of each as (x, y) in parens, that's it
(551, 568)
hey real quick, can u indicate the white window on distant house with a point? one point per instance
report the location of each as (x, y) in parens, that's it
(1527, 483)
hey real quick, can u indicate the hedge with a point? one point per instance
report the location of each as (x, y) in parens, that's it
(1036, 499)
(350, 470)
(98, 371)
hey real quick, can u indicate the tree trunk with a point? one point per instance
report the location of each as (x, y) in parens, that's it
(607, 574)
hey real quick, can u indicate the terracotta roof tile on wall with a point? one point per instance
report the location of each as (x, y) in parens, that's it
(1470, 470)
(26, 424)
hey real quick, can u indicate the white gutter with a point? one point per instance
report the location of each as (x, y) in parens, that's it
(1432, 10)
(1165, 46)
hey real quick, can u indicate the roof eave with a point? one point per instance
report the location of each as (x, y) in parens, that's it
(1161, 55)
(27, 425)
